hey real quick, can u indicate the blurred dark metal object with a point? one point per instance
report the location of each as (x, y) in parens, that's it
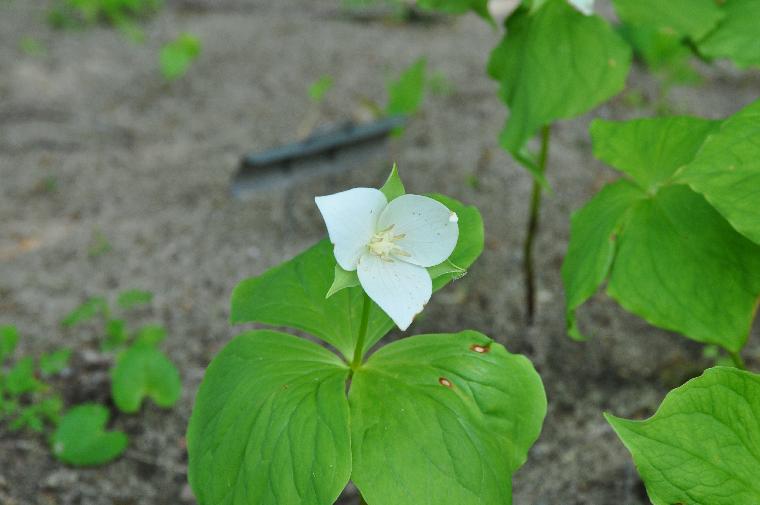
(330, 149)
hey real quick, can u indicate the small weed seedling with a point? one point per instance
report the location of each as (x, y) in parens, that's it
(442, 418)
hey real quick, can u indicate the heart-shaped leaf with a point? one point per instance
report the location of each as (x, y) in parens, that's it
(444, 420)
(144, 371)
(702, 446)
(270, 424)
(81, 438)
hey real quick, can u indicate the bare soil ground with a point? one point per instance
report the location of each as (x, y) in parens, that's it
(95, 145)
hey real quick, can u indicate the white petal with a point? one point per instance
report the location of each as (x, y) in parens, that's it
(351, 219)
(585, 6)
(399, 288)
(429, 229)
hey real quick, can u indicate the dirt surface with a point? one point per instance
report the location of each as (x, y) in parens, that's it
(95, 146)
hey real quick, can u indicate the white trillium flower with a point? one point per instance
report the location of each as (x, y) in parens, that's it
(584, 6)
(390, 245)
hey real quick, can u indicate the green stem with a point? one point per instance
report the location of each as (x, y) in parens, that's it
(359, 349)
(738, 361)
(535, 211)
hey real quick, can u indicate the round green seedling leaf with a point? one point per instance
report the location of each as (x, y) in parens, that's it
(702, 447)
(270, 424)
(82, 440)
(443, 420)
(142, 371)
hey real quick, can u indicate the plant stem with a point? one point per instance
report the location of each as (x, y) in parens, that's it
(359, 350)
(535, 210)
(738, 361)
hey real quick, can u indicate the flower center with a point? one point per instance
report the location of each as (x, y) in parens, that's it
(383, 244)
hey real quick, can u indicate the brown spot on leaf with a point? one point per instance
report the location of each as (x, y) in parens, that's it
(443, 381)
(480, 348)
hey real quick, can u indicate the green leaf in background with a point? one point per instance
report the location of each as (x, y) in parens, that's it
(480, 7)
(736, 35)
(293, 294)
(444, 419)
(8, 341)
(21, 379)
(593, 232)
(133, 298)
(55, 362)
(319, 88)
(150, 335)
(406, 93)
(142, 371)
(177, 56)
(702, 445)
(663, 52)
(682, 267)
(116, 335)
(81, 438)
(88, 310)
(270, 424)
(672, 259)
(650, 150)
(554, 63)
(34, 416)
(727, 171)
(686, 18)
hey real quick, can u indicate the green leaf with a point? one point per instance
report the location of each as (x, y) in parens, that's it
(555, 63)
(444, 419)
(480, 7)
(8, 341)
(736, 35)
(682, 267)
(394, 186)
(81, 438)
(343, 279)
(55, 362)
(593, 233)
(116, 335)
(88, 310)
(142, 371)
(406, 93)
(727, 171)
(293, 293)
(270, 424)
(150, 335)
(664, 52)
(671, 258)
(133, 298)
(177, 56)
(21, 378)
(650, 150)
(319, 88)
(702, 445)
(686, 18)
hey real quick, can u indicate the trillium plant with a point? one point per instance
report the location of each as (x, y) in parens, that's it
(430, 419)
